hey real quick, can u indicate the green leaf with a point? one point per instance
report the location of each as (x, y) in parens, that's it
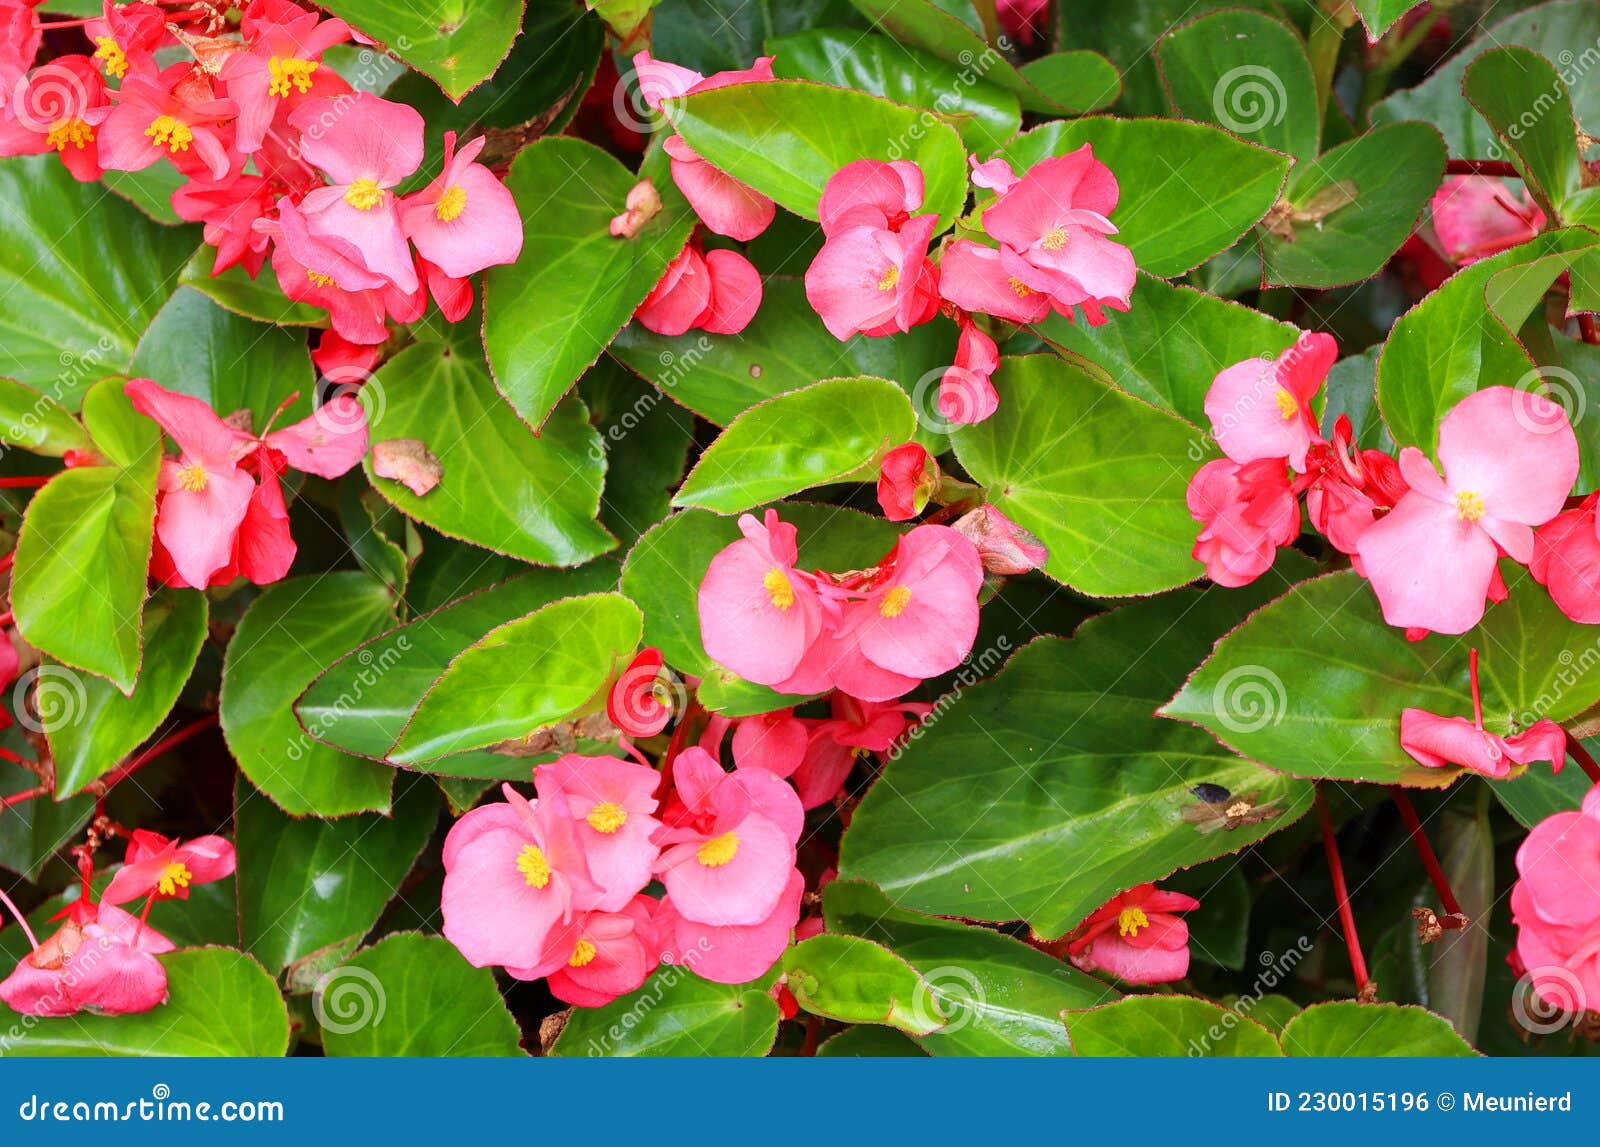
(36, 422)
(1539, 793)
(1168, 1026)
(33, 832)
(1098, 476)
(1380, 15)
(986, 116)
(82, 276)
(664, 569)
(1392, 171)
(1457, 964)
(361, 702)
(222, 1004)
(99, 725)
(522, 676)
(1189, 190)
(1076, 82)
(868, 1040)
(1525, 101)
(1314, 683)
(306, 884)
(79, 584)
(1450, 344)
(196, 347)
(1348, 1028)
(647, 440)
(854, 980)
(286, 637)
(785, 347)
(1219, 930)
(811, 437)
(1002, 996)
(415, 995)
(676, 1013)
(458, 45)
(786, 139)
(1056, 772)
(1351, 390)
(260, 298)
(1561, 32)
(548, 316)
(1247, 72)
(1169, 345)
(149, 190)
(533, 498)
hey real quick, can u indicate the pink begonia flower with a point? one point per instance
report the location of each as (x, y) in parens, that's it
(1556, 907)
(994, 175)
(167, 869)
(466, 219)
(1509, 458)
(638, 703)
(966, 392)
(758, 614)
(870, 193)
(723, 203)
(1566, 560)
(971, 277)
(735, 293)
(229, 211)
(1348, 487)
(730, 953)
(612, 804)
(168, 115)
(1261, 407)
(867, 279)
(1053, 231)
(773, 741)
(728, 843)
(1476, 216)
(856, 728)
(515, 873)
(679, 298)
(1438, 742)
(10, 662)
(203, 493)
(59, 105)
(907, 478)
(1004, 547)
(280, 66)
(366, 145)
(329, 442)
(1022, 20)
(126, 36)
(1247, 511)
(101, 960)
(1136, 936)
(613, 954)
(338, 358)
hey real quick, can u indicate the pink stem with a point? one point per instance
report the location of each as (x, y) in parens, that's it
(21, 919)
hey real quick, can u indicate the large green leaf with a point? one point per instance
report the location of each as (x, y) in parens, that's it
(1451, 343)
(522, 676)
(415, 995)
(33, 832)
(784, 347)
(1169, 345)
(99, 725)
(1167, 1026)
(1524, 100)
(458, 44)
(1561, 32)
(33, 421)
(287, 636)
(1002, 996)
(857, 981)
(1247, 72)
(362, 702)
(1097, 475)
(1051, 787)
(676, 1013)
(258, 298)
(1347, 1028)
(222, 1004)
(533, 498)
(548, 316)
(306, 884)
(197, 347)
(82, 275)
(78, 587)
(985, 115)
(1314, 683)
(1189, 190)
(718, 35)
(1392, 172)
(823, 433)
(786, 138)
(1380, 15)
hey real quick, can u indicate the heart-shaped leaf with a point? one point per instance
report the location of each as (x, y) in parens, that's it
(1167, 1026)
(686, 1016)
(1347, 1028)
(851, 979)
(458, 45)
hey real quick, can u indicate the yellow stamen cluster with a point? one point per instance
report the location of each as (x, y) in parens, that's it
(1130, 920)
(607, 817)
(895, 601)
(192, 478)
(65, 133)
(364, 194)
(289, 70)
(889, 279)
(1469, 505)
(719, 850)
(583, 953)
(1287, 407)
(175, 876)
(319, 279)
(534, 867)
(116, 60)
(451, 204)
(174, 133)
(1019, 288)
(779, 590)
(1055, 239)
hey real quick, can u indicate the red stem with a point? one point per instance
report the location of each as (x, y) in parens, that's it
(24, 796)
(1580, 754)
(1347, 917)
(145, 756)
(1430, 861)
(1480, 167)
(1586, 328)
(18, 759)
(26, 482)
(1477, 694)
(8, 561)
